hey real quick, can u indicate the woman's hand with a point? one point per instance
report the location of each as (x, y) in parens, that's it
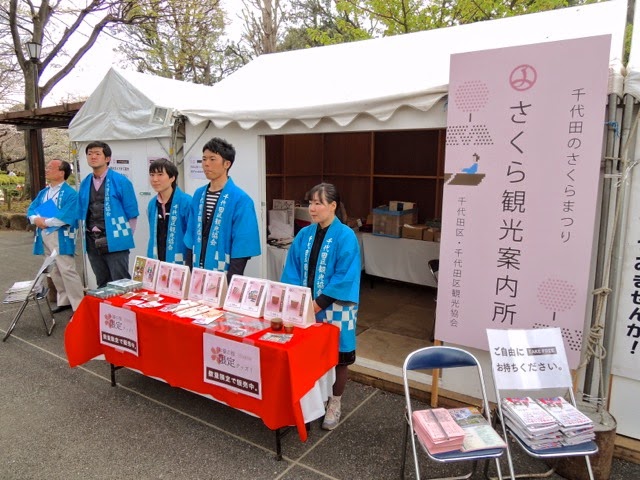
(316, 307)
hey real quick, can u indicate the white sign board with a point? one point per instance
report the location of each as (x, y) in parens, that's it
(232, 365)
(118, 328)
(528, 359)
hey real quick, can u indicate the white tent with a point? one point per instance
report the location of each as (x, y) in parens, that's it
(123, 105)
(377, 77)
(393, 83)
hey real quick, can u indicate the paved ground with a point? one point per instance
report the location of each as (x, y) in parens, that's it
(63, 423)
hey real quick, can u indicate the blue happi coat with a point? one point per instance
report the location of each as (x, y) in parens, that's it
(120, 205)
(337, 275)
(178, 222)
(67, 203)
(234, 229)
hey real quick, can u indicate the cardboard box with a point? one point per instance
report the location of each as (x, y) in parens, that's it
(415, 231)
(389, 224)
(431, 234)
(427, 234)
(398, 206)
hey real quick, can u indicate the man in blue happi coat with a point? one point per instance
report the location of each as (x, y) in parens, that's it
(55, 212)
(109, 207)
(168, 215)
(223, 227)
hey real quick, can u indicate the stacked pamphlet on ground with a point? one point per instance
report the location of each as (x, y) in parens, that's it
(18, 292)
(575, 426)
(531, 423)
(478, 434)
(437, 430)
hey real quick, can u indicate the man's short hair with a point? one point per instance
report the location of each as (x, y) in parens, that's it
(65, 167)
(164, 165)
(222, 148)
(106, 149)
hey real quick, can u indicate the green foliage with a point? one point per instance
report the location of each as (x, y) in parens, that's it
(180, 39)
(7, 181)
(359, 19)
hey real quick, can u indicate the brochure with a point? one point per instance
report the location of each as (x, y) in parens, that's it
(253, 299)
(274, 300)
(235, 293)
(215, 288)
(478, 434)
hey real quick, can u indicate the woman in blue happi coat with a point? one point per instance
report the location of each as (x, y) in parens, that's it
(168, 215)
(325, 256)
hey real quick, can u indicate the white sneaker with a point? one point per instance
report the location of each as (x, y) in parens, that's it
(332, 417)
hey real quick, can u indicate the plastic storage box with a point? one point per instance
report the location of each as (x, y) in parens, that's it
(389, 224)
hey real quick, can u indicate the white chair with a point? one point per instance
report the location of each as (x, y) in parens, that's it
(441, 357)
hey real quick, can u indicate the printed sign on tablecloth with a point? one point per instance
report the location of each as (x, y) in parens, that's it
(232, 365)
(118, 328)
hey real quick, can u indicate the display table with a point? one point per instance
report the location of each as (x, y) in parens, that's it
(171, 349)
(401, 259)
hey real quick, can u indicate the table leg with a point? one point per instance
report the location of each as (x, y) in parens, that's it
(113, 374)
(279, 435)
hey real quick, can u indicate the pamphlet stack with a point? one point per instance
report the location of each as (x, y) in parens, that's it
(437, 430)
(546, 423)
(575, 426)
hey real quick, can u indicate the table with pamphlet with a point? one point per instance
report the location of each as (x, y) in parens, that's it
(171, 349)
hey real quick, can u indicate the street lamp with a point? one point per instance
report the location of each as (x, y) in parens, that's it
(36, 151)
(34, 49)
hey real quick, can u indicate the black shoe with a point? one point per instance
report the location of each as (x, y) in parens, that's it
(61, 308)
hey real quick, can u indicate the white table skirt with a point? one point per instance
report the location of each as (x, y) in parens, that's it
(401, 259)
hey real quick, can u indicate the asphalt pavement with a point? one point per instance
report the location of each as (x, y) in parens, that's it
(58, 422)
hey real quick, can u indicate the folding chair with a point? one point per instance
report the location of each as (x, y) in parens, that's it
(434, 268)
(558, 384)
(441, 357)
(35, 290)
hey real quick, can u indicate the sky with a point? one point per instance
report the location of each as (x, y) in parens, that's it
(92, 68)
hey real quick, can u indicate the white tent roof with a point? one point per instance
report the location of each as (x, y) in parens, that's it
(121, 106)
(377, 77)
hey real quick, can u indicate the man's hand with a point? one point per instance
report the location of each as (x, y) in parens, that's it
(39, 222)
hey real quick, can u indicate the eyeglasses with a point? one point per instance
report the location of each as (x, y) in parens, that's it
(49, 167)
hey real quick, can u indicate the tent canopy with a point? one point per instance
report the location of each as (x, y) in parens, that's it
(377, 77)
(122, 105)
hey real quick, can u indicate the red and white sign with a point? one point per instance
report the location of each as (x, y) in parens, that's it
(524, 144)
(119, 328)
(232, 365)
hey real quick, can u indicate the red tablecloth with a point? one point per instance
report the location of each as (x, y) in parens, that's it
(170, 348)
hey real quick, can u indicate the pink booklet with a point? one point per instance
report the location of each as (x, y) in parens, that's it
(437, 430)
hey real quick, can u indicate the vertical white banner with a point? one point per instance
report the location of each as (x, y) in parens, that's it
(523, 151)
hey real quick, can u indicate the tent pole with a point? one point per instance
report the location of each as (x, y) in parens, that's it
(606, 220)
(629, 132)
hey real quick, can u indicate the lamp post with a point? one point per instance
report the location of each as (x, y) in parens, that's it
(36, 152)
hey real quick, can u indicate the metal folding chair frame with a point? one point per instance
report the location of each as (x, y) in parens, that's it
(37, 293)
(583, 449)
(441, 357)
